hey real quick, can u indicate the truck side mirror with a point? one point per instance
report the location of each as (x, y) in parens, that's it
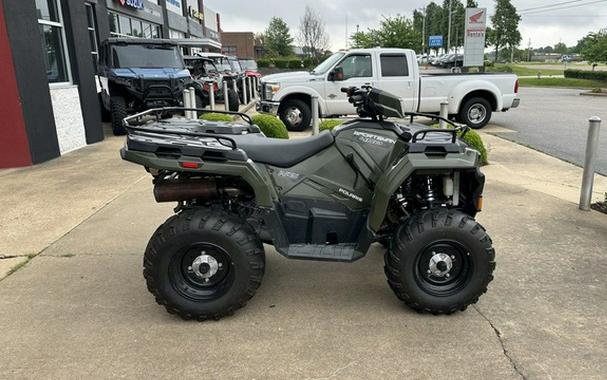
(337, 74)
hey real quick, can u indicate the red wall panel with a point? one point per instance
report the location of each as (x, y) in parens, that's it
(14, 146)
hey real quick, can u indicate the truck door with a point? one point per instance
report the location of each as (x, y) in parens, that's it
(357, 69)
(395, 77)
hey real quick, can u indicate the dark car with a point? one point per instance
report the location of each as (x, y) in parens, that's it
(138, 74)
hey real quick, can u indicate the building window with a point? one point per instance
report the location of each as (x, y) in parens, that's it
(229, 50)
(124, 26)
(175, 34)
(52, 37)
(92, 30)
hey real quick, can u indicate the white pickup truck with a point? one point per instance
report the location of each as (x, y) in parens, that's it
(472, 97)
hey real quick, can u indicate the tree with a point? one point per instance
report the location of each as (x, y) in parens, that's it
(394, 32)
(504, 31)
(312, 34)
(277, 38)
(594, 48)
(471, 4)
(560, 48)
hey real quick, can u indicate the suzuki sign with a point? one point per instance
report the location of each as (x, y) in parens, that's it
(474, 41)
(138, 4)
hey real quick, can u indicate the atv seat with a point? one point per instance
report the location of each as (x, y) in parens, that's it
(279, 152)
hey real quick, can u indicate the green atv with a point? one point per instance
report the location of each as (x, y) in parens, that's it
(326, 197)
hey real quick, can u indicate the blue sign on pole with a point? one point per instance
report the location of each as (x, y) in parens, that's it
(435, 41)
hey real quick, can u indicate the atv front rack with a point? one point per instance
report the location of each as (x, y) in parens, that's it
(420, 135)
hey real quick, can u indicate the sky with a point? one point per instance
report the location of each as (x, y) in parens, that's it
(543, 28)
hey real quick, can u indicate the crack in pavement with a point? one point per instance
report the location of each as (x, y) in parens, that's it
(498, 334)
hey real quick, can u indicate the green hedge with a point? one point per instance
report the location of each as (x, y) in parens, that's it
(586, 74)
(329, 124)
(264, 63)
(216, 117)
(271, 126)
(474, 141)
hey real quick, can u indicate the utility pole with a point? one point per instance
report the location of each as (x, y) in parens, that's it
(346, 32)
(529, 51)
(449, 30)
(424, 32)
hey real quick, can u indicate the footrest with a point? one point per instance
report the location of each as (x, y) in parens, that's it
(336, 252)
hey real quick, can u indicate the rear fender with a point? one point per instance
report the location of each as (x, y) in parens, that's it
(396, 175)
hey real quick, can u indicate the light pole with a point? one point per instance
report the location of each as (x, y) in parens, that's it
(449, 30)
(424, 32)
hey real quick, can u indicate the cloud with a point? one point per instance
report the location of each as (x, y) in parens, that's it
(544, 28)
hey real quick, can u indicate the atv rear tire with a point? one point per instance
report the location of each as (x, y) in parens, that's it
(118, 113)
(476, 113)
(440, 262)
(296, 114)
(234, 100)
(203, 264)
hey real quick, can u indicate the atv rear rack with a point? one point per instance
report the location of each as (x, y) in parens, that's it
(157, 113)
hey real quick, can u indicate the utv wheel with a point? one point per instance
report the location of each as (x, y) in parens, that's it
(296, 115)
(203, 264)
(234, 100)
(440, 262)
(476, 113)
(105, 114)
(118, 113)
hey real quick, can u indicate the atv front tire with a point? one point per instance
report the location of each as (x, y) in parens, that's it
(203, 264)
(118, 113)
(440, 262)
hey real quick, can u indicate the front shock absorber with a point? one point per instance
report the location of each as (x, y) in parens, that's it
(429, 195)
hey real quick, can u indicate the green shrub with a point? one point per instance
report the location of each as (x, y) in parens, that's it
(271, 126)
(586, 74)
(264, 63)
(281, 63)
(474, 141)
(329, 124)
(213, 116)
(294, 63)
(308, 63)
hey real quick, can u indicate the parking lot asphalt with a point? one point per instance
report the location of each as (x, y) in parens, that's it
(555, 121)
(80, 308)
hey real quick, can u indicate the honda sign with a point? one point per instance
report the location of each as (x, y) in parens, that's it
(474, 42)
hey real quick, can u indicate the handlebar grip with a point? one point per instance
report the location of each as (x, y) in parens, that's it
(345, 89)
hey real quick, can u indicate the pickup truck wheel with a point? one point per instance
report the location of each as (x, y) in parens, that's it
(476, 113)
(118, 113)
(234, 100)
(203, 264)
(296, 115)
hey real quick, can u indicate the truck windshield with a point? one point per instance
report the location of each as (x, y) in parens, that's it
(146, 56)
(248, 64)
(327, 64)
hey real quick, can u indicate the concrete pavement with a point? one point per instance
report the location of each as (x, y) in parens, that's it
(80, 308)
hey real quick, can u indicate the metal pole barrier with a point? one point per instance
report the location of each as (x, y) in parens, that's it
(212, 95)
(315, 120)
(226, 100)
(250, 87)
(444, 113)
(592, 145)
(193, 114)
(255, 88)
(186, 102)
(245, 95)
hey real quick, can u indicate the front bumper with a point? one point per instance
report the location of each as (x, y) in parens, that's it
(266, 106)
(516, 102)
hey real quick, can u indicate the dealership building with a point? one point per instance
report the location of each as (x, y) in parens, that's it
(48, 57)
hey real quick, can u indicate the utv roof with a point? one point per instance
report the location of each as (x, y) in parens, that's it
(197, 57)
(212, 55)
(139, 41)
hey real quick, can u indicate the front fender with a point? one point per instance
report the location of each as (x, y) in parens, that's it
(395, 176)
(300, 90)
(460, 91)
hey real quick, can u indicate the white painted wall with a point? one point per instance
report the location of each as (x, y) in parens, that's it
(68, 118)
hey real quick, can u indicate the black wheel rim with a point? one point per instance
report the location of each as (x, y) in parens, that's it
(191, 286)
(456, 278)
